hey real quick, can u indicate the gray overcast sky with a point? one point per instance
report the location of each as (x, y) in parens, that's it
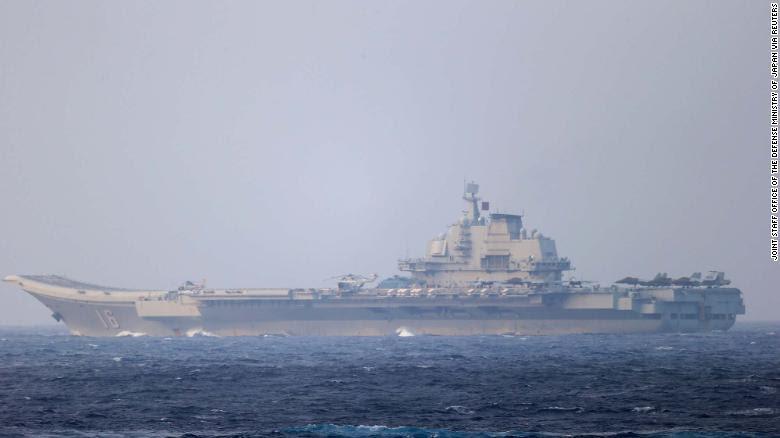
(281, 143)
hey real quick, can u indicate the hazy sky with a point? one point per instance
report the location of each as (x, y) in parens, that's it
(281, 143)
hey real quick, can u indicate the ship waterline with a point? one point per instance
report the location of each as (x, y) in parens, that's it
(485, 275)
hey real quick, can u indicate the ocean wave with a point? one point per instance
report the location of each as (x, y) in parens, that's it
(129, 334)
(403, 332)
(361, 431)
(459, 410)
(563, 409)
(192, 333)
(347, 431)
(59, 433)
(768, 389)
(335, 431)
(755, 412)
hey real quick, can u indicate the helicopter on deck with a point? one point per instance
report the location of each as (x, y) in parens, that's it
(353, 282)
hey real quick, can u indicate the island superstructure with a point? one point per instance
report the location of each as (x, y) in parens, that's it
(486, 275)
(488, 249)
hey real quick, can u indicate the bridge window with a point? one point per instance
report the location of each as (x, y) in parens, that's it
(495, 262)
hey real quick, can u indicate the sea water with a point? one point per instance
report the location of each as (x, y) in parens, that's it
(658, 385)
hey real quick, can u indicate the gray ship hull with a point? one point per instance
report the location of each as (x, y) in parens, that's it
(112, 312)
(487, 275)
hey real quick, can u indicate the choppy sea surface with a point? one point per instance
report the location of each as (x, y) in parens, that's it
(665, 385)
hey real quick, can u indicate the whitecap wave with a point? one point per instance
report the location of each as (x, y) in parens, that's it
(459, 410)
(360, 431)
(564, 409)
(755, 412)
(200, 332)
(128, 333)
(643, 409)
(404, 332)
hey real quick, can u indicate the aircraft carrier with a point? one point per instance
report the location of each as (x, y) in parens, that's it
(486, 274)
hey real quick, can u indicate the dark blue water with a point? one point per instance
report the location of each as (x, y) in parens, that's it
(719, 384)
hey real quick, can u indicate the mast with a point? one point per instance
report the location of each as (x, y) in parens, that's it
(470, 196)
